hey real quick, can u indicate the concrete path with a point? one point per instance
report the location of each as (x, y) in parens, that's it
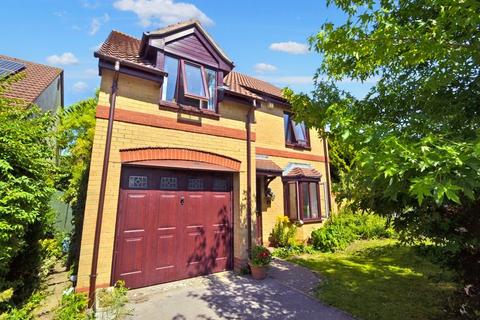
(229, 296)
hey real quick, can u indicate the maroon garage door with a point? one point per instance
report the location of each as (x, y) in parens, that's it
(172, 225)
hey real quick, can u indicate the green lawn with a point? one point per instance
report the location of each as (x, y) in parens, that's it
(379, 279)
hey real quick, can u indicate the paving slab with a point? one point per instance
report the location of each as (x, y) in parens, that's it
(228, 296)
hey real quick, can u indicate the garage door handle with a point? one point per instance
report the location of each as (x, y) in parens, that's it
(182, 201)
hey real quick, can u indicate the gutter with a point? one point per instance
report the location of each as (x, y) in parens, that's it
(127, 63)
(103, 186)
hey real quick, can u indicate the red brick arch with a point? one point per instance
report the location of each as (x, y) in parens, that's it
(156, 153)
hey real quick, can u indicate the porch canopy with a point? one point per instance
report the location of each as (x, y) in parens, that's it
(267, 168)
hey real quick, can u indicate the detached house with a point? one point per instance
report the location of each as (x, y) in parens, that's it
(40, 84)
(200, 161)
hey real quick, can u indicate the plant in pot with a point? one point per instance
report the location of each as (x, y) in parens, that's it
(261, 258)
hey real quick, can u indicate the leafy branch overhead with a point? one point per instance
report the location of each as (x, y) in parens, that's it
(409, 149)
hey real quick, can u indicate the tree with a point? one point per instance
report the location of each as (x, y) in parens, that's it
(26, 167)
(415, 136)
(75, 133)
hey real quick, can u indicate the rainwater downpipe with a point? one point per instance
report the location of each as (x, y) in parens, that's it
(327, 173)
(103, 186)
(249, 178)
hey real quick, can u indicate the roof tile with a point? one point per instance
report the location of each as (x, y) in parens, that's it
(37, 78)
(298, 172)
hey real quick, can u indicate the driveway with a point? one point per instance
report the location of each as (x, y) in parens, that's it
(230, 296)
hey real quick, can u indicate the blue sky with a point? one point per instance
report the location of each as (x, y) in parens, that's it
(265, 38)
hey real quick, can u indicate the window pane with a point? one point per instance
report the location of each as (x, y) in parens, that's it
(138, 182)
(288, 131)
(305, 201)
(170, 82)
(211, 75)
(194, 80)
(168, 183)
(195, 184)
(314, 199)
(292, 201)
(300, 132)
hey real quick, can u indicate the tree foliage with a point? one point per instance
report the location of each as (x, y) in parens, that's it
(26, 167)
(415, 136)
(75, 132)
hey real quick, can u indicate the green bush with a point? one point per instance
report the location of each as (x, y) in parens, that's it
(294, 250)
(283, 233)
(260, 256)
(72, 307)
(26, 181)
(341, 230)
(114, 301)
(24, 312)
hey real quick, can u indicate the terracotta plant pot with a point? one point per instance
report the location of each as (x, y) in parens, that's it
(258, 272)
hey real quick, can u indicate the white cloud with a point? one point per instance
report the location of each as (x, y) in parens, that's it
(162, 12)
(80, 86)
(97, 23)
(264, 67)
(94, 26)
(290, 47)
(65, 59)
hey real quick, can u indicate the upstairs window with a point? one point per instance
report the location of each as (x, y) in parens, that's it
(190, 84)
(194, 82)
(170, 82)
(296, 134)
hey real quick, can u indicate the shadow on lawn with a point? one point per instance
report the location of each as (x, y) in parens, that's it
(382, 282)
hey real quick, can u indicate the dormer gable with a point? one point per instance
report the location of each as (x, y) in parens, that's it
(187, 40)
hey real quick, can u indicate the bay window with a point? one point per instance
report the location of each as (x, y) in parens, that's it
(189, 84)
(296, 133)
(302, 200)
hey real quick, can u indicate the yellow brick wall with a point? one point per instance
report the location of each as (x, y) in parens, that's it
(127, 135)
(142, 96)
(270, 134)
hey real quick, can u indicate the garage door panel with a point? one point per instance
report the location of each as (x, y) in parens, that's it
(193, 214)
(164, 268)
(136, 219)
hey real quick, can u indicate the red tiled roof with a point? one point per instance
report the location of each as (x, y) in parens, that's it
(37, 77)
(298, 172)
(247, 82)
(266, 165)
(124, 47)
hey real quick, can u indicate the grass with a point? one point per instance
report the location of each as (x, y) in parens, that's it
(380, 279)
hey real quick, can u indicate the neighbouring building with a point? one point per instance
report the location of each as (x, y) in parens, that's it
(191, 138)
(41, 85)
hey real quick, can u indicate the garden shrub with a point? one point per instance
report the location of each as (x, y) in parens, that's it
(114, 301)
(26, 186)
(283, 233)
(72, 307)
(285, 252)
(341, 230)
